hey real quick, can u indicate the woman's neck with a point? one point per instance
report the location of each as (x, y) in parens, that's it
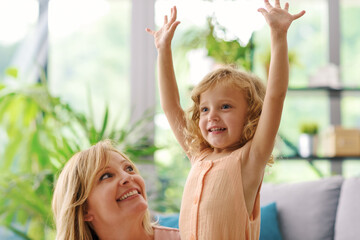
(134, 234)
(124, 231)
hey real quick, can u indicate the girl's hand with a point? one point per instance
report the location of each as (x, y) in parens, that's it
(164, 35)
(279, 19)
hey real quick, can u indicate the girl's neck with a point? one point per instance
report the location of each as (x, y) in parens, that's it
(225, 151)
(221, 152)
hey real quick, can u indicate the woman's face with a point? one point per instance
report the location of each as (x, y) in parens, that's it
(118, 194)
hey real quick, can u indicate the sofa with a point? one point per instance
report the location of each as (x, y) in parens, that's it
(318, 210)
(324, 209)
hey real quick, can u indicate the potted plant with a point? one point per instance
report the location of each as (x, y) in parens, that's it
(308, 139)
(223, 52)
(266, 57)
(41, 132)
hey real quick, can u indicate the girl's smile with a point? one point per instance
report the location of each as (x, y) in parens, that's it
(222, 116)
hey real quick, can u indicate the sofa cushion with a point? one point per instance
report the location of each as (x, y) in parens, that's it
(269, 227)
(306, 210)
(169, 220)
(347, 224)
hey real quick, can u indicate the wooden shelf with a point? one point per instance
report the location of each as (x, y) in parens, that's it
(336, 162)
(329, 89)
(313, 158)
(335, 96)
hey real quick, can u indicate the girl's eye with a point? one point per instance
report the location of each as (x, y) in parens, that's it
(204, 109)
(226, 106)
(105, 176)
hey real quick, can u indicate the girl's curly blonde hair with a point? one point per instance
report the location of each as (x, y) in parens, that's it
(247, 83)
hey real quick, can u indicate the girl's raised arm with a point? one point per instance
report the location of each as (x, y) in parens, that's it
(169, 93)
(279, 20)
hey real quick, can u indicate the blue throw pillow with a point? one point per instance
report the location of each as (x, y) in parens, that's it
(269, 227)
(169, 220)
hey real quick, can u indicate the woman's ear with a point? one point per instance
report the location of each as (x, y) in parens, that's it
(88, 217)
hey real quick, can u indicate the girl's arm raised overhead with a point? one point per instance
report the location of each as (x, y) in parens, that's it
(279, 20)
(169, 93)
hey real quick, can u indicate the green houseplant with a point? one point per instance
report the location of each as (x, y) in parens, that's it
(310, 128)
(266, 57)
(40, 133)
(222, 51)
(308, 139)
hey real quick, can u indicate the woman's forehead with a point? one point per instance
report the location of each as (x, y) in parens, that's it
(116, 157)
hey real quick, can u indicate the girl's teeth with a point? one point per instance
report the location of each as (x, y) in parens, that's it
(217, 129)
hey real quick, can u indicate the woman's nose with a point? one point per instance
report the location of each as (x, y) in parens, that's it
(126, 178)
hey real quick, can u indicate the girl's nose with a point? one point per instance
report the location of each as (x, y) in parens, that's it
(213, 116)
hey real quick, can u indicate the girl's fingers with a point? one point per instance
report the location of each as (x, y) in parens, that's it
(277, 3)
(174, 12)
(300, 14)
(174, 26)
(262, 11)
(165, 19)
(173, 15)
(286, 6)
(268, 5)
(149, 31)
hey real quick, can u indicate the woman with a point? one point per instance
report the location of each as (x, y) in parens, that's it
(101, 195)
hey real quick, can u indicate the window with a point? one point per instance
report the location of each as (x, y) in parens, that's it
(350, 72)
(307, 40)
(90, 54)
(15, 24)
(350, 45)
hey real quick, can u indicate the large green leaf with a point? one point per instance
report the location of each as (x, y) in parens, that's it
(41, 134)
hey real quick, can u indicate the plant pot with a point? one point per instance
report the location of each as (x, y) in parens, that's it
(307, 145)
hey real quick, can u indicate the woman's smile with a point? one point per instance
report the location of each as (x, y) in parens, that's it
(117, 181)
(128, 195)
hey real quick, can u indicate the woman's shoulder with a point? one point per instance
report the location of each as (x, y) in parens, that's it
(166, 233)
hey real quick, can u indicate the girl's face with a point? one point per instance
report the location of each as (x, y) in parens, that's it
(222, 116)
(118, 194)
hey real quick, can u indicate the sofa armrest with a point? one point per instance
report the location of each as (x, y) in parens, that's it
(306, 210)
(347, 224)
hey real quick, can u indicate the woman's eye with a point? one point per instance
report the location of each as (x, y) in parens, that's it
(226, 106)
(105, 176)
(130, 168)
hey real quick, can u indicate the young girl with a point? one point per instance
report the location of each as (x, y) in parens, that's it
(229, 135)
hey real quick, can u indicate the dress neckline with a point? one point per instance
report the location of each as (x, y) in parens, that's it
(207, 151)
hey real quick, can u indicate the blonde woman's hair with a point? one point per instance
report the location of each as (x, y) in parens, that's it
(247, 83)
(73, 188)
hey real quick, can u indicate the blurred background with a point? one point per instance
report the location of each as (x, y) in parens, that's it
(75, 72)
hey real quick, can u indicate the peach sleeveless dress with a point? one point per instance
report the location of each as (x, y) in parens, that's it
(213, 204)
(165, 233)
